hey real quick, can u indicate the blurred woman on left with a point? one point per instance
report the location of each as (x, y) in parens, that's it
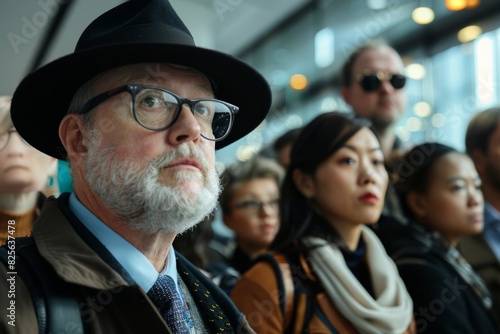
(25, 173)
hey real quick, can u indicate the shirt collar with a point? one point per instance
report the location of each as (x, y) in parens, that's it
(132, 260)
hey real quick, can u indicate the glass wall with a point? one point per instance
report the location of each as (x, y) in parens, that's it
(462, 80)
(444, 89)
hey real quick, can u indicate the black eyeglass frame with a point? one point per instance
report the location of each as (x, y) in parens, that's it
(248, 204)
(133, 89)
(397, 80)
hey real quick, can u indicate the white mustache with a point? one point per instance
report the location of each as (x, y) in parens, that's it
(181, 152)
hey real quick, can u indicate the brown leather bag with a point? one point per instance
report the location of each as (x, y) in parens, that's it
(302, 312)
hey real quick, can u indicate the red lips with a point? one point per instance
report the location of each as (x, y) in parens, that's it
(369, 198)
(476, 217)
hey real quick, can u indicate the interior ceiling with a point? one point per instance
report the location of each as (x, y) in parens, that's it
(231, 26)
(25, 25)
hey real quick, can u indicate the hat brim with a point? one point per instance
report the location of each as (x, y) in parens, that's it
(42, 99)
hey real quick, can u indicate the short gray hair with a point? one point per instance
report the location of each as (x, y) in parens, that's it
(244, 171)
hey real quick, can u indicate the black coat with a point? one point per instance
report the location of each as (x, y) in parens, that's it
(448, 296)
(108, 299)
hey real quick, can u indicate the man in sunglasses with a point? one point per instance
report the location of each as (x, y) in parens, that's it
(138, 110)
(373, 85)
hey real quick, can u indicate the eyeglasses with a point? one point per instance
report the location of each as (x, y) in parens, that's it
(156, 109)
(370, 82)
(255, 207)
(5, 137)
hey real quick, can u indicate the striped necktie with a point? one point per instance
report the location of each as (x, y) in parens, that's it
(166, 298)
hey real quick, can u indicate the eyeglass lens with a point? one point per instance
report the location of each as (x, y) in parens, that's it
(371, 82)
(257, 206)
(157, 109)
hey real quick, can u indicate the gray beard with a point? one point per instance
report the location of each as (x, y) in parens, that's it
(134, 195)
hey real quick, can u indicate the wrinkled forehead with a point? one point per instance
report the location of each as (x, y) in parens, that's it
(379, 59)
(155, 74)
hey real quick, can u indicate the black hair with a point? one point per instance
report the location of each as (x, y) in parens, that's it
(480, 129)
(317, 141)
(412, 171)
(288, 137)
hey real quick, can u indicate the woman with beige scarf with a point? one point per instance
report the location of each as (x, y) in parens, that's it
(331, 274)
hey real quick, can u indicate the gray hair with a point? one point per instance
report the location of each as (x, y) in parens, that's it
(241, 172)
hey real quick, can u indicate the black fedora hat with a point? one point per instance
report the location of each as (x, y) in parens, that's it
(137, 31)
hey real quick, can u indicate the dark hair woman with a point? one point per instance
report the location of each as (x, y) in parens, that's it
(336, 276)
(440, 190)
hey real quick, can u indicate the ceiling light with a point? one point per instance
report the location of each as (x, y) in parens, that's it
(473, 3)
(422, 109)
(485, 70)
(298, 82)
(324, 47)
(469, 33)
(455, 5)
(415, 71)
(423, 15)
(413, 124)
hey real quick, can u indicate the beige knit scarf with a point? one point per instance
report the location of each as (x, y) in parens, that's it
(390, 312)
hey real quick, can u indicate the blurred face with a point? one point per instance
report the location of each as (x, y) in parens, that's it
(283, 156)
(153, 180)
(254, 214)
(350, 186)
(453, 202)
(385, 105)
(23, 169)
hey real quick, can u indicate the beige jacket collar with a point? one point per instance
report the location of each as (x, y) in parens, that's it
(68, 254)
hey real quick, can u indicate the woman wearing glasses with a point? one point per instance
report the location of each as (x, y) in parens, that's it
(249, 203)
(441, 192)
(332, 274)
(24, 172)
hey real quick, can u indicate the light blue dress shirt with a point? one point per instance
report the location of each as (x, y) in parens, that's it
(132, 260)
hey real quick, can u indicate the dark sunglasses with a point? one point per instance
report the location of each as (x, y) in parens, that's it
(370, 82)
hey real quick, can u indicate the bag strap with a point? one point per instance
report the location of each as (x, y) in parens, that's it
(295, 299)
(56, 307)
(310, 299)
(287, 305)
